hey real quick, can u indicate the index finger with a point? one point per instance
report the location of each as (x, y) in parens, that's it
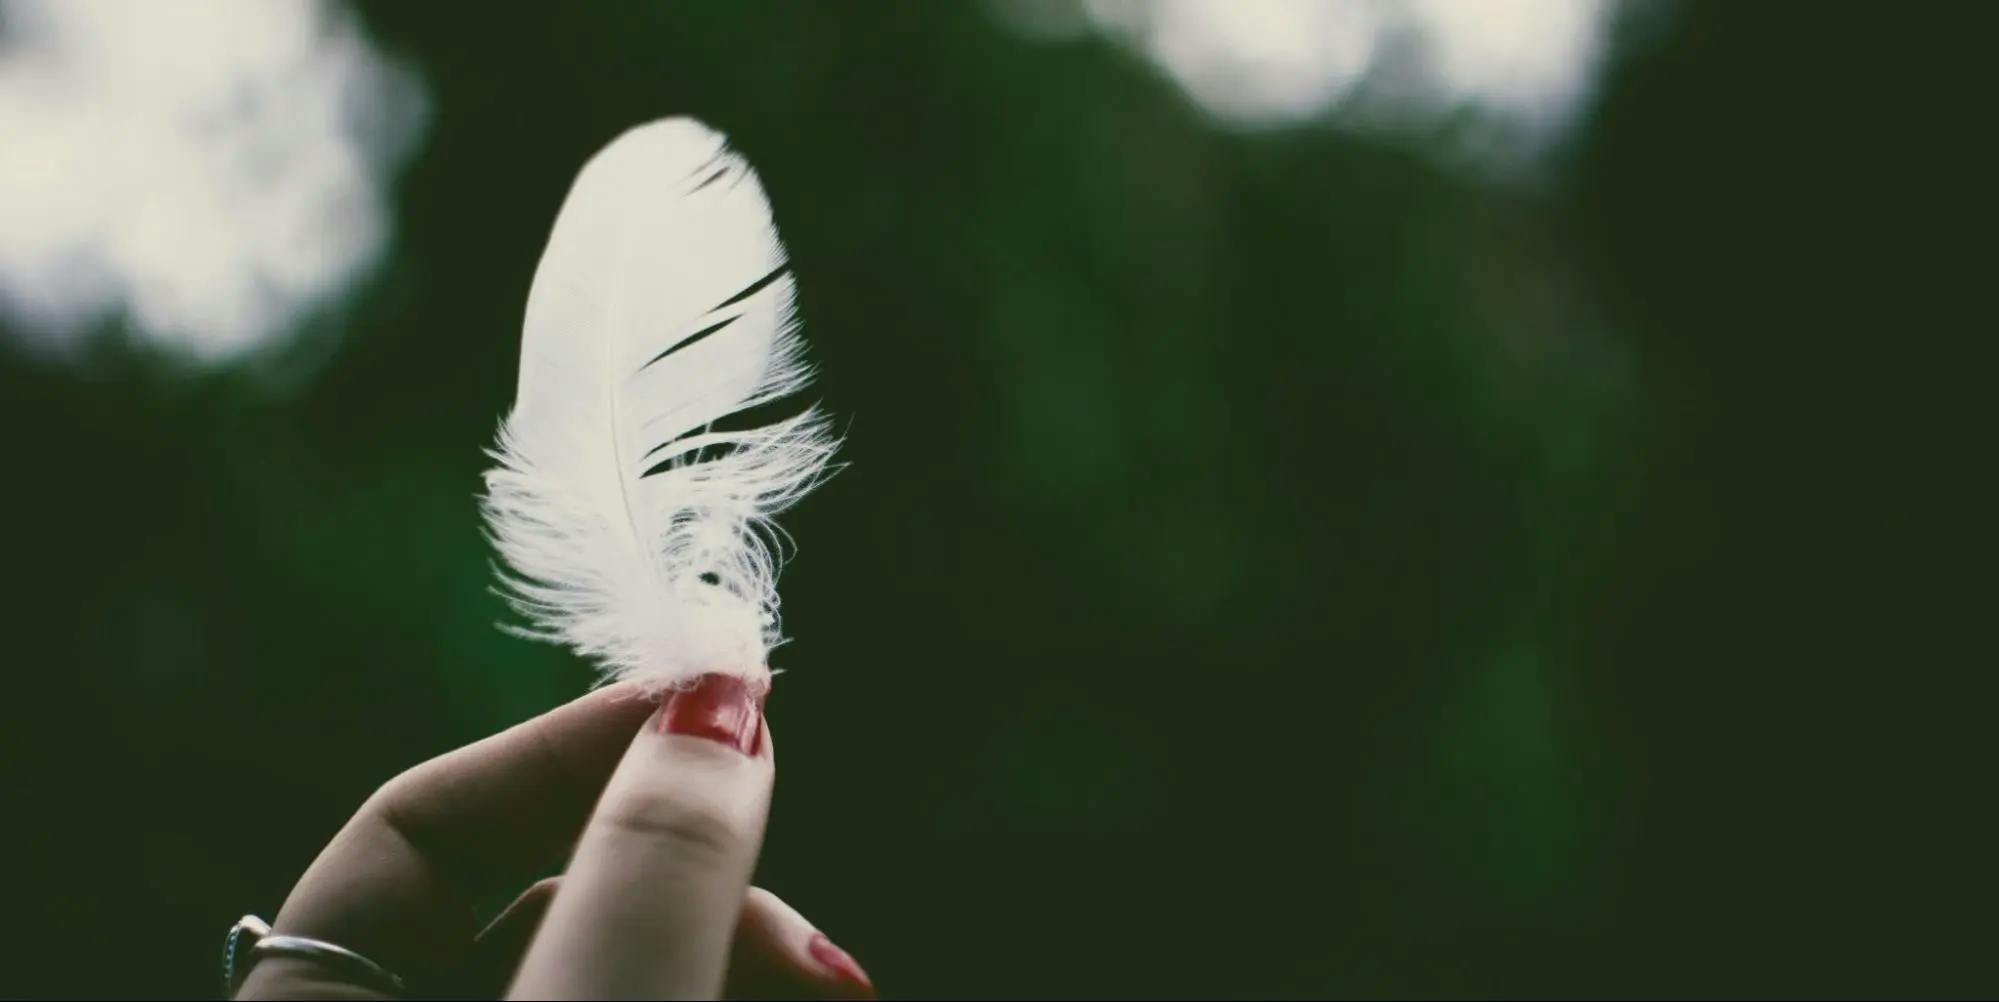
(483, 812)
(398, 884)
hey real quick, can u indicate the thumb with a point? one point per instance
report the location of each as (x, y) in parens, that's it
(650, 902)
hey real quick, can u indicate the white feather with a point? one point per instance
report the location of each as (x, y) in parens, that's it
(635, 531)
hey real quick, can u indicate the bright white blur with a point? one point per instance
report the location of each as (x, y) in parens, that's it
(209, 172)
(1504, 77)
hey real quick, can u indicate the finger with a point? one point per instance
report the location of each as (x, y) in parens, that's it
(777, 953)
(510, 931)
(481, 814)
(399, 883)
(496, 951)
(780, 955)
(287, 977)
(649, 903)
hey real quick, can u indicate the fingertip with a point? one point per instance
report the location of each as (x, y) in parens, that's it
(624, 695)
(844, 973)
(780, 953)
(616, 708)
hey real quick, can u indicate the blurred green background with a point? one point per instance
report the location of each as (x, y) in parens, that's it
(1273, 561)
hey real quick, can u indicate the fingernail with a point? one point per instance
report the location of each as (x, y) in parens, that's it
(719, 708)
(839, 962)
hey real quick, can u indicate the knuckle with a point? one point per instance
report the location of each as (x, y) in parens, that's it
(391, 801)
(388, 804)
(394, 792)
(683, 827)
(399, 806)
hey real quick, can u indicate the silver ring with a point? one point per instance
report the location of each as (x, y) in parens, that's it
(251, 940)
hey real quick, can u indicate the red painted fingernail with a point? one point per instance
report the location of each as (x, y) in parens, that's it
(840, 962)
(719, 708)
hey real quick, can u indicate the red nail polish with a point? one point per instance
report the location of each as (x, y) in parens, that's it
(840, 962)
(719, 708)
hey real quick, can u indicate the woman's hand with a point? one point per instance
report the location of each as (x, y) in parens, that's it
(655, 901)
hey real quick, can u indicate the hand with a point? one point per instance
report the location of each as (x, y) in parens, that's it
(655, 901)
